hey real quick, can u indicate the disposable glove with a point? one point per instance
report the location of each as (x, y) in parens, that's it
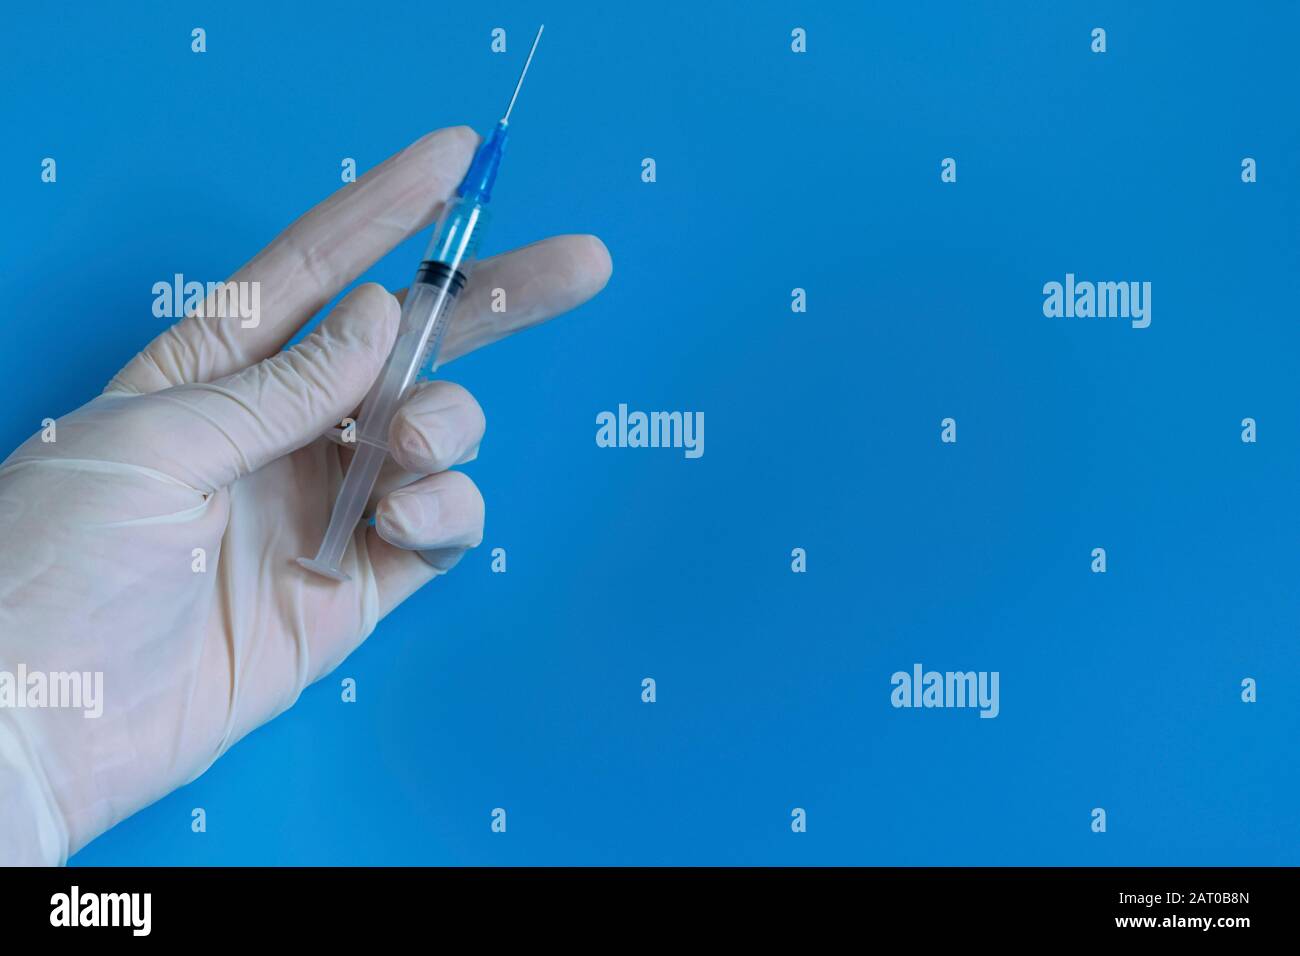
(214, 438)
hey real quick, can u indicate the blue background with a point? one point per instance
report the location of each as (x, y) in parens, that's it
(775, 170)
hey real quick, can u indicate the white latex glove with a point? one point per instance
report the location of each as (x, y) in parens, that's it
(211, 438)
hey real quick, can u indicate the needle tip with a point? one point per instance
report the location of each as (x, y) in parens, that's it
(505, 119)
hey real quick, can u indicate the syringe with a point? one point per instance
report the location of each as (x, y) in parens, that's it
(426, 313)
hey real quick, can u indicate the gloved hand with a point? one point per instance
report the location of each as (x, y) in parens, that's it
(211, 438)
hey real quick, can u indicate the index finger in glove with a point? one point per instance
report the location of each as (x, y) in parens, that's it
(308, 264)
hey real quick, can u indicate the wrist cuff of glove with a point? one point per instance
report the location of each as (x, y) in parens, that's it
(32, 831)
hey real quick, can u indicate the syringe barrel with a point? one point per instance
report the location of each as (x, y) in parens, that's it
(460, 226)
(426, 312)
